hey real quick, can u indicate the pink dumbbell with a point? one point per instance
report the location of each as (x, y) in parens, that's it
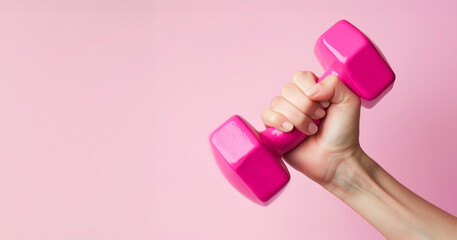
(251, 160)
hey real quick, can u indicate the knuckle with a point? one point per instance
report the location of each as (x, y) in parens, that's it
(264, 114)
(303, 75)
(308, 74)
(297, 75)
(275, 102)
(286, 88)
(333, 79)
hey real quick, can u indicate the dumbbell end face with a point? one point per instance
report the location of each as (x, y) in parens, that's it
(246, 162)
(359, 63)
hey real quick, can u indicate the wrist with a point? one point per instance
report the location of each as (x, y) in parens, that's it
(390, 207)
(354, 174)
(360, 182)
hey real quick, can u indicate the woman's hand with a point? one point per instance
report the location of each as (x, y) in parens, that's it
(336, 140)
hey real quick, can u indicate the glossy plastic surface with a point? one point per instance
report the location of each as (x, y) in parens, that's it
(346, 50)
(251, 161)
(246, 162)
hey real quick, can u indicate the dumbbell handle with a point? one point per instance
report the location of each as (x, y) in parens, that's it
(283, 142)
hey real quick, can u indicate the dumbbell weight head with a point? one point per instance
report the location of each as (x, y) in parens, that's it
(345, 51)
(251, 160)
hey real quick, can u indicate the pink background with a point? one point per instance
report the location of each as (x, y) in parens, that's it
(106, 107)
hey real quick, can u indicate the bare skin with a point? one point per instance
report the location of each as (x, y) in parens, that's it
(332, 157)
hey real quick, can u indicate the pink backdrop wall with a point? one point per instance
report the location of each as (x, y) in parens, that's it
(106, 107)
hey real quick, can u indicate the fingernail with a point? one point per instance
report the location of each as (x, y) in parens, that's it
(325, 104)
(312, 128)
(313, 90)
(287, 126)
(319, 113)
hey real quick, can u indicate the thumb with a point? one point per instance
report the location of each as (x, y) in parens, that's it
(333, 90)
(340, 128)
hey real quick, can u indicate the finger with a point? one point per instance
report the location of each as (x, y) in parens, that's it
(276, 120)
(333, 90)
(324, 104)
(305, 80)
(299, 100)
(302, 122)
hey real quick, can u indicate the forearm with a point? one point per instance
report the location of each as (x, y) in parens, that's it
(394, 210)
